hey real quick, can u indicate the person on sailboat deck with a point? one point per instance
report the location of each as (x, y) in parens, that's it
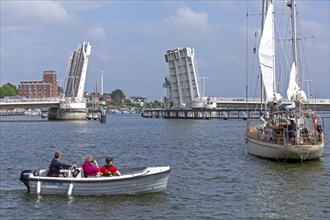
(90, 167)
(56, 165)
(320, 131)
(108, 169)
(317, 128)
(290, 133)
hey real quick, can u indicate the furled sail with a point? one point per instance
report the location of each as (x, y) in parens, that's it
(267, 56)
(293, 87)
(294, 92)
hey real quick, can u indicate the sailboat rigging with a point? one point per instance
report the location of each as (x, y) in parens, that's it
(286, 132)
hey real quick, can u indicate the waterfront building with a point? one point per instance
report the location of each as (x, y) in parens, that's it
(46, 88)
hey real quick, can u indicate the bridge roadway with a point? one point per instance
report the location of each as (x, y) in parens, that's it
(9, 103)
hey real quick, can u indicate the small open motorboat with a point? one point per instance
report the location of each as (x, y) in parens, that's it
(132, 181)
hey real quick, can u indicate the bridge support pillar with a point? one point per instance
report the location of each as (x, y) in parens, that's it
(67, 114)
(68, 111)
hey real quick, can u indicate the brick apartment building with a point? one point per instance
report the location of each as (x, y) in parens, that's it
(46, 88)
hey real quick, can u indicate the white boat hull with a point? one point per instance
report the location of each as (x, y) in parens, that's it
(284, 151)
(147, 180)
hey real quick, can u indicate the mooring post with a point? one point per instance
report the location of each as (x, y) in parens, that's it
(103, 116)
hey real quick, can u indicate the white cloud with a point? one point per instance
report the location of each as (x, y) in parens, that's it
(185, 20)
(27, 12)
(96, 34)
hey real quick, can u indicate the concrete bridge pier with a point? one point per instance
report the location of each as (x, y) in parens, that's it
(68, 111)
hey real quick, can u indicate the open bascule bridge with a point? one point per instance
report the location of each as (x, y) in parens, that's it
(72, 104)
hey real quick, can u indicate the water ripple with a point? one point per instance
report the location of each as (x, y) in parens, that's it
(212, 176)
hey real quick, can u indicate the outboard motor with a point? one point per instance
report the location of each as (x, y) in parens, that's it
(25, 177)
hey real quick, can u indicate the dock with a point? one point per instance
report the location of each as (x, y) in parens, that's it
(97, 115)
(202, 113)
(12, 113)
(229, 108)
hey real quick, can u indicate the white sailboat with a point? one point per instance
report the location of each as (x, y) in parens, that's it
(286, 132)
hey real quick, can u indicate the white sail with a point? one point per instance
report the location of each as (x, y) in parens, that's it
(266, 54)
(301, 96)
(294, 92)
(293, 87)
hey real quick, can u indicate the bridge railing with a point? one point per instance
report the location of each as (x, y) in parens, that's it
(238, 99)
(30, 100)
(73, 99)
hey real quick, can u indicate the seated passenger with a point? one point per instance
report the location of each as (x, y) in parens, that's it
(109, 169)
(90, 167)
(56, 165)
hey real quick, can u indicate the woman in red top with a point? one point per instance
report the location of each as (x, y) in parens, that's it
(90, 167)
(109, 169)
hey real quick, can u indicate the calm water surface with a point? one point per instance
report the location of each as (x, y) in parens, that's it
(212, 176)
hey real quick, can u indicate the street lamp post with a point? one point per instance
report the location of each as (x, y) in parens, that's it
(102, 74)
(203, 78)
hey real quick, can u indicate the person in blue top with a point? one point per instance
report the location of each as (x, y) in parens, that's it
(56, 165)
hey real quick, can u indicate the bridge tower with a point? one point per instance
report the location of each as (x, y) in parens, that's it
(183, 85)
(73, 104)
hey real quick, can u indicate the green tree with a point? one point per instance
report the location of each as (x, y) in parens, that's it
(156, 104)
(13, 87)
(8, 90)
(3, 92)
(153, 104)
(117, 95)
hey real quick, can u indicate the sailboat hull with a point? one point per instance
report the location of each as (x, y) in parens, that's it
(261, 148)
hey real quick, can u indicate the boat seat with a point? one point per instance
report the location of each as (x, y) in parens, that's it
(81, 174)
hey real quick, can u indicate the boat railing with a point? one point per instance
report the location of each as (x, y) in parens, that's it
(284, 135)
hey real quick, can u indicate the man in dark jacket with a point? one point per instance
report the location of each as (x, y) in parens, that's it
(56, 165)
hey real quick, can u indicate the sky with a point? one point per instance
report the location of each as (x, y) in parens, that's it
(129, 40)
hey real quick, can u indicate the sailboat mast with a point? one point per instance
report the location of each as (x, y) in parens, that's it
(262, 89)
(263, 13)
(292, 5)
(273, 45)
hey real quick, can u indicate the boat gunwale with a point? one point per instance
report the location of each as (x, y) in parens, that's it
(101, 179)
